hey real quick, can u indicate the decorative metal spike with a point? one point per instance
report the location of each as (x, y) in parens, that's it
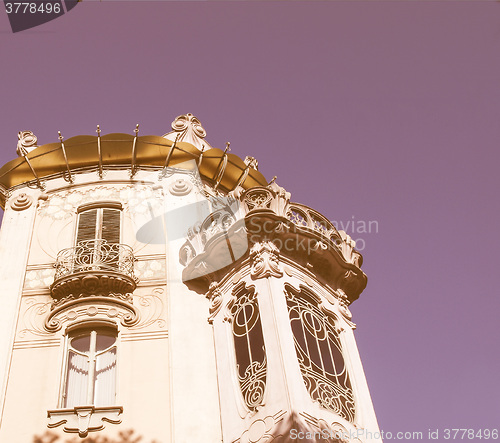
(99, 150)
(201, 155)
(70, 177)
(170, 152)
(133, 169)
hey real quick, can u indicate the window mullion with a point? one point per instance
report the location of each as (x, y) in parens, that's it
(92, 360)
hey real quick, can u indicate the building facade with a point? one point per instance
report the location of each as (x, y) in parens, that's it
(162, 285)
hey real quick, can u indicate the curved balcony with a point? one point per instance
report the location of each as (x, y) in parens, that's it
(265, 214)
(93, 267)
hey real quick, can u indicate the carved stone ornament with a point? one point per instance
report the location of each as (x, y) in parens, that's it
(114, 306)
(89, 284)
(185, 121)
(217, 303)
(215, 296)
(21, 202)
(187, 128)
(26, 142)
(263, 429)
(265, 257)
(252, 162)
(38, 320)
(180, 187)
(84, 419)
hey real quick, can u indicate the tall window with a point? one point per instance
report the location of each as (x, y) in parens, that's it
(102, 223)
(320, 354)
(90, 368)
(98, 237)
(249, 346)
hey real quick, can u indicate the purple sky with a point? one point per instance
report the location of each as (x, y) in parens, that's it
(384, 111)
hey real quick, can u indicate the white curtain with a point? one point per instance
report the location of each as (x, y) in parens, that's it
(77, 380)
(105, 378)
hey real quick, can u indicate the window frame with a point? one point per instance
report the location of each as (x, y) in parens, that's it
(259, 372)
(73, 331)
(100, 206)
(300, 301)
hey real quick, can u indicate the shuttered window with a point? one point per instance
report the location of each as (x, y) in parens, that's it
(99, 224)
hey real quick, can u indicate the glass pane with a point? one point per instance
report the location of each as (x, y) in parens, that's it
(105, 379)
(104, 341)
(76, 380)
(81, 343)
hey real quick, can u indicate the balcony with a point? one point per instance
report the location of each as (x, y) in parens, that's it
(93, 268)
(264, 214)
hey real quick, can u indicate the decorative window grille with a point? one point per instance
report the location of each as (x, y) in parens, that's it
(320, 354)
(90, 368)
(249, 346)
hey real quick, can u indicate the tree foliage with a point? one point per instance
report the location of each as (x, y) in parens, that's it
(123, 437)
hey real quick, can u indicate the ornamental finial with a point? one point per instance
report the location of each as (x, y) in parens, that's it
(188, 129)
(26, 142)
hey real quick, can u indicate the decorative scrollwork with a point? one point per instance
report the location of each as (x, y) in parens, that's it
(304, 216)
(185, 121)
(93, 307)
(258, 198)
(265, 258)
(251, 162)
(218, 222)
(151, 309)
(26, 142)
(249, 346)
(319, 353)
(95, 255)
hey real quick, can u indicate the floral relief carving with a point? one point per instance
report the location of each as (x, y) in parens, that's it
(150, 269)
(139, 199)
(265, 260)
(39, 278)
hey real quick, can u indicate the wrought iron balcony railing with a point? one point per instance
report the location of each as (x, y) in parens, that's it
(93, 267)
(95, 255)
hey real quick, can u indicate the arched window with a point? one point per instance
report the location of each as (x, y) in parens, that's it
(319, 353)
(249, 346)
(90, 377)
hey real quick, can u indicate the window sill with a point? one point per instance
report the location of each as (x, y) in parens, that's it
(84, 419)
